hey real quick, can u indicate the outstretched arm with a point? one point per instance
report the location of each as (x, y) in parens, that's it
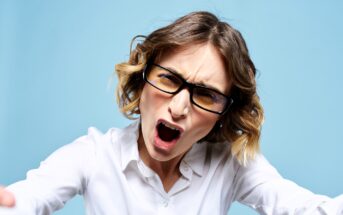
(261, 187)
(46, 189)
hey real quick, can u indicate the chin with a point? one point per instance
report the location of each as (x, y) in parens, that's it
(160, 155)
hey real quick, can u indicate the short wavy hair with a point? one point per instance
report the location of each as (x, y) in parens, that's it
(241, 124)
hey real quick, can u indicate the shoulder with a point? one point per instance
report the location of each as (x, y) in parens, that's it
(82, 150)
(259, 166)
(220, 155)
(90, 146)
(96, 140)
(221, 152)
(88, 143)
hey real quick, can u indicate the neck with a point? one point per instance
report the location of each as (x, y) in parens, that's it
(168, 171)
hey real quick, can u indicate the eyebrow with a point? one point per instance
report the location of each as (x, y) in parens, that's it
(201, 83)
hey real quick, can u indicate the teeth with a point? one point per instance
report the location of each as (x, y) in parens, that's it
(170, 126)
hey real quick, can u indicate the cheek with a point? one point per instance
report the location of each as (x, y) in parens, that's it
(150, 101)
(202, 124)
(147, 117)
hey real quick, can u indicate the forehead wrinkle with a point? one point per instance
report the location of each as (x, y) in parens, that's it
(202, 77)
(191, 75)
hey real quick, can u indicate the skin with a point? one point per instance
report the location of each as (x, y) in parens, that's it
(6, 198)
(199, 63)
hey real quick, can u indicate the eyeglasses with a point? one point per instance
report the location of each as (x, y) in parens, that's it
(170, 82)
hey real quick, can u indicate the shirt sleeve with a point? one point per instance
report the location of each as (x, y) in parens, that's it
(261, 187)
(60, 177)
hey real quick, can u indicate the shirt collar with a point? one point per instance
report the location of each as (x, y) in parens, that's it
(194, 158)
(129, 146)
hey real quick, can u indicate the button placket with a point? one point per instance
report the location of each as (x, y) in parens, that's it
(165, 202)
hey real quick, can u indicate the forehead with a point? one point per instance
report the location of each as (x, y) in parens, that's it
(199, 63)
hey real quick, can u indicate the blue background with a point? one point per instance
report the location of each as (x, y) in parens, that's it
(57, 60)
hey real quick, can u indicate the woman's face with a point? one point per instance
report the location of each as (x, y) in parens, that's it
(171, 124)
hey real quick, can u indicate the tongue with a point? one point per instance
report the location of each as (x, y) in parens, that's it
(167, 134)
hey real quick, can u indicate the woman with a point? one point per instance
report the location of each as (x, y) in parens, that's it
(194, 148)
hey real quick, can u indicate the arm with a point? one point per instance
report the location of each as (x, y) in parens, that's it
(60, 177)
(261, 187)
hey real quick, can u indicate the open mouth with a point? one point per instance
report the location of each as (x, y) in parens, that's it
(167, 132)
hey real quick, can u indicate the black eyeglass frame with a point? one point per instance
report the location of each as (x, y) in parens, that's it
(187, 85)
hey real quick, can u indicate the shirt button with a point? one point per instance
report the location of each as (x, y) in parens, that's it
(165, 203)
(186, 168)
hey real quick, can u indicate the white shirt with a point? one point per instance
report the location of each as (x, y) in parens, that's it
(107, 170)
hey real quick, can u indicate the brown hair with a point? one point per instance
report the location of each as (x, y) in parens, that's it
(241, 125)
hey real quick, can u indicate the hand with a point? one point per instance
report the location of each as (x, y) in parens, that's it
(6, 198)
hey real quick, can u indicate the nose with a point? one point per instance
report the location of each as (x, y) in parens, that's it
(180, 104)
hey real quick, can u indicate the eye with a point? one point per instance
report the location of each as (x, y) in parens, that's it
(168, 78)
(164, 79)
(208, 98)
